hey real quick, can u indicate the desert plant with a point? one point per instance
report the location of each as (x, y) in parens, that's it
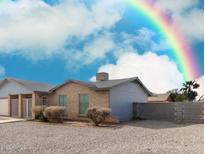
(54, 113)
(188, 89)
(186, 93)
(98, 115)
(38, 111)
(178, 97)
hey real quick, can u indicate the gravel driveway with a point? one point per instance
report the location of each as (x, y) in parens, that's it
(143, 137)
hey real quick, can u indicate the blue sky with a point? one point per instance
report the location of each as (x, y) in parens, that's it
(52, 41)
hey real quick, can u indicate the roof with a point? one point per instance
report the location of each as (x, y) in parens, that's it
(159, 97)
(111, 83)
(88, 84)
(105, 85)
(31, 85)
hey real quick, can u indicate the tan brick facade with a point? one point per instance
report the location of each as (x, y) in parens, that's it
(72, 91)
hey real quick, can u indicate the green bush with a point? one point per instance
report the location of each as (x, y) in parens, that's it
(98, 115)
(38, 110)
(54, 113)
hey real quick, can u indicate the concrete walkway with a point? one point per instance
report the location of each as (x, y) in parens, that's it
(9, 119)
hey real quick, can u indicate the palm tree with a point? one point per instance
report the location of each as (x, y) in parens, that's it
(188, 89)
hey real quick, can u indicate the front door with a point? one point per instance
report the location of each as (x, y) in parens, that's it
(83, 103)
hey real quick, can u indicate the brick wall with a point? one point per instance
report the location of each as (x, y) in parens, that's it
(72, 91)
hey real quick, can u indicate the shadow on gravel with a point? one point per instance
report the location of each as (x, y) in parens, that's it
(117, 126)
(154, 124)
(79, 124)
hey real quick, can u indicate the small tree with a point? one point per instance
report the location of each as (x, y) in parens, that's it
(178, 97)
(54, 113)
(98, 115)
(186, 92)
(188, 89)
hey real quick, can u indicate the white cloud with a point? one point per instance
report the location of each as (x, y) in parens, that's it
(158, 73)
(37, 30)
(172, 6)
(188, 18)
(144, 40)
(200, 90)
(2, 71)
(107, 13)
(185, 22)
(113, 44)
(99, 48)
(94, 50)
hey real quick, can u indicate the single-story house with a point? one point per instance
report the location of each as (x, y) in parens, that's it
(118, 95)
(17, 97)
(76, 96)
(160, 98)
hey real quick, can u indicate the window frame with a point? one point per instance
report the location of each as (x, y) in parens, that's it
(65, 101)
(79, 103)
(44, 100)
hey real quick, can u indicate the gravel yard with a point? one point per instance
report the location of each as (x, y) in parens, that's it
(143, 137)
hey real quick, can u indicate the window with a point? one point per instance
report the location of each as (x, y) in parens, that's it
(44, 100)
(63, 100)
(83, 103)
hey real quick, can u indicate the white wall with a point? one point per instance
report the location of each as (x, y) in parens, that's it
(4, 107)
(11, 87)
(122, 98)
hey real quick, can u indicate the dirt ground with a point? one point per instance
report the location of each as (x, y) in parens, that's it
(135, 137)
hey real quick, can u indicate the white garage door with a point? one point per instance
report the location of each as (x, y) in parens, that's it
(4, 107)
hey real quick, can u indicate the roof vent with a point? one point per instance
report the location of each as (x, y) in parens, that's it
(102, 76)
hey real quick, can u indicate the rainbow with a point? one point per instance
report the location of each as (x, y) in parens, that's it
(180, 48)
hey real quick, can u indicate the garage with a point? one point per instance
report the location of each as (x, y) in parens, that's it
(14, 107)
(4, 107)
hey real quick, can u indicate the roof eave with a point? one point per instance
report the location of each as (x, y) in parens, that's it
(99, 89)
(67, 82)
(38, 91)
(144, 87)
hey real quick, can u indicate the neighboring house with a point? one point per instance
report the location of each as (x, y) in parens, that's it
(18, 96)
(118, 95)
(160, 98)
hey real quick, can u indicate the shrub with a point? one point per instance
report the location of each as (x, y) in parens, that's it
(54, 113)
(98, 115)
(38, 110)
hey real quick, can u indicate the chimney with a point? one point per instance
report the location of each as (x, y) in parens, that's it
(102, 76)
